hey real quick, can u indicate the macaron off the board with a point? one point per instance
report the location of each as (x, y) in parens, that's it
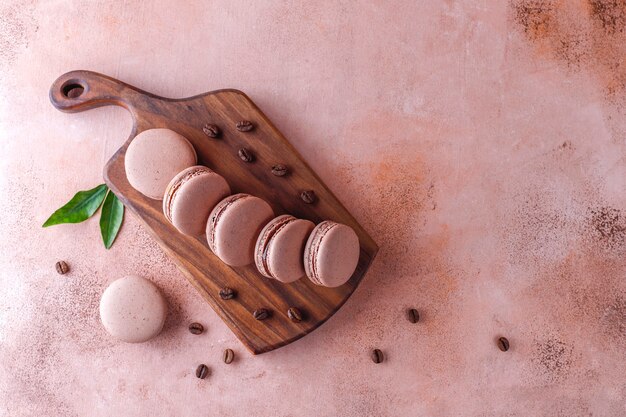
(132, 309)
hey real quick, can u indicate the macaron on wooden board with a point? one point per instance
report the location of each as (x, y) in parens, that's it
(227, 114)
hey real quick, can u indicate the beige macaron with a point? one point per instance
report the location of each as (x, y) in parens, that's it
(280, 247)
(132, 309)
(154, 157)
(234, 225)
(331, 254)
(190, 197)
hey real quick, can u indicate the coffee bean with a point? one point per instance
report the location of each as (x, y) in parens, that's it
(62, 267)
(503, 344)
(280, 170)
(413, 315)
(245, 155)
(196, 328)
(202, 371)
(244, 126)
(294, 314)
(211, 130)
(377, 356)
(229, 355)
(227, 293)
(261, 314)
(308, 196)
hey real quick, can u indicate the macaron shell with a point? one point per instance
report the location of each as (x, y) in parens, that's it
(331, 254)
(310, 249)
(284, 254)
(260, 249)
(237, 228)
(154, 157)
(132, 309)
(193, 199)
(216, 214)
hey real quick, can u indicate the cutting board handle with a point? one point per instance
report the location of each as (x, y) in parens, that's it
(76, 91)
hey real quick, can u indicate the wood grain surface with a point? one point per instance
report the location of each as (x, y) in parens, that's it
(82, 90)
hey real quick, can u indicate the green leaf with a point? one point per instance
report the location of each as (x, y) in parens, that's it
(81, 207)
(111, 218)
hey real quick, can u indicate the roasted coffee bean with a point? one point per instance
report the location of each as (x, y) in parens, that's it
(229, 355)
(211, 130)
(413, 315)
(245, 155)
(261, 314)
(244, 126)
(227, 293)
(202, 371)
(280, 170)
(503, 344)
(62, 267)
(377, 356)
(308, 196)
(196, 328)
(294, 314)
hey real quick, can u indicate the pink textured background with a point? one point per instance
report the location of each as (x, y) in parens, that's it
(482, 144)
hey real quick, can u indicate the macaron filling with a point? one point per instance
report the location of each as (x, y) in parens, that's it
(266, 241)
(219, 211)
(171, 194)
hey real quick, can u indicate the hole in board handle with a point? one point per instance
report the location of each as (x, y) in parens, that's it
(72, 89)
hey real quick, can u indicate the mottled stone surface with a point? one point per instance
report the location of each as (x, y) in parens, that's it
(482, 144)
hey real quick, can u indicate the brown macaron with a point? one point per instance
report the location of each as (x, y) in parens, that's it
(190, 197)
(234, 225)
(154, 157)
(331, 254)
(280, 246)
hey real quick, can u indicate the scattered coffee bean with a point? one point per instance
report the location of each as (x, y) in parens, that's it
(294, 314)
(261, 314)
(308, 196)
(245, 155)
(413, 315)
(280, 170)
(202, 371)
(62, 267)
(196, 328)
(503, 344)
(227, 293)
(377, 356)
(211, 130)
(244, 126)
(229, 355)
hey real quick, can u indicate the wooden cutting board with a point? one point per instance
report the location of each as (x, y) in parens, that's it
(82, 90)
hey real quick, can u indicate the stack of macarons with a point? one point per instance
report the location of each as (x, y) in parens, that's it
(240, 229)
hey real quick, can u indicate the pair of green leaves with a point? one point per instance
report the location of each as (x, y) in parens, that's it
(84, 204)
